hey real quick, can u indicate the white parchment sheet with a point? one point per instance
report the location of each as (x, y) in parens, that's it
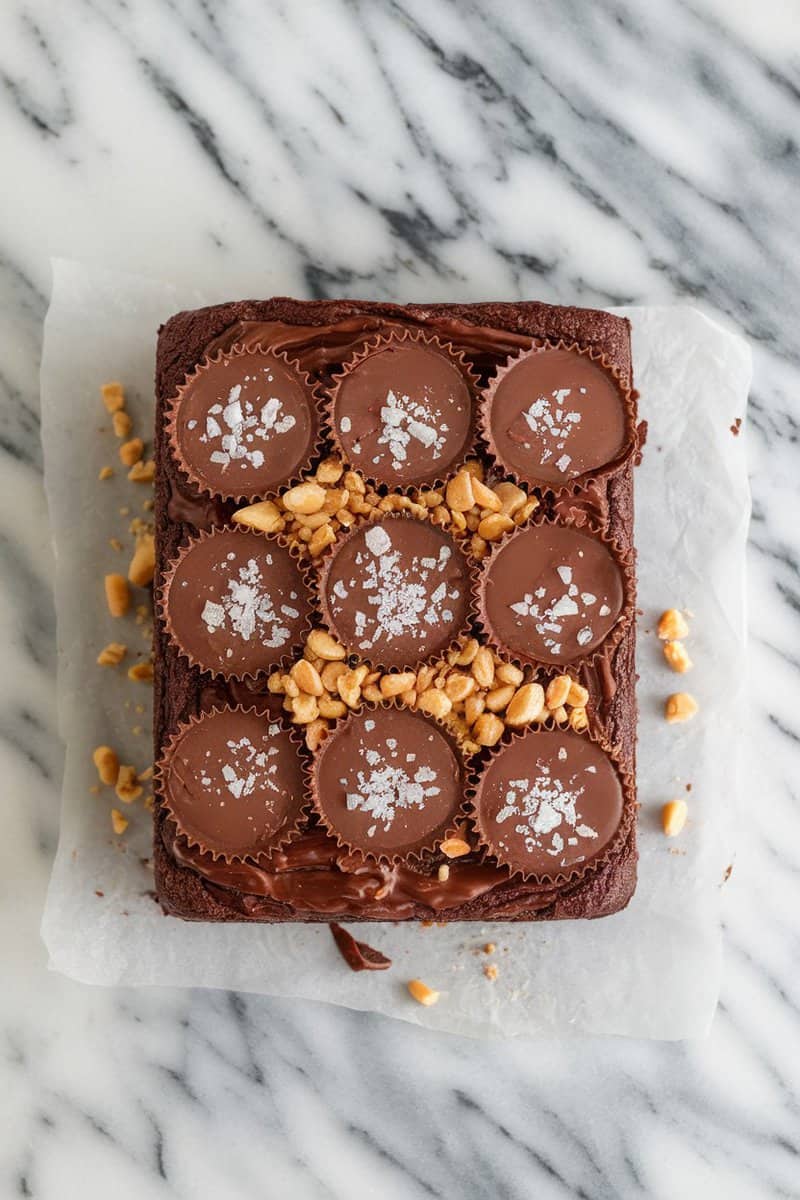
(651, 971)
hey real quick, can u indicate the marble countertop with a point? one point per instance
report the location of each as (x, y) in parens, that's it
(602, 154)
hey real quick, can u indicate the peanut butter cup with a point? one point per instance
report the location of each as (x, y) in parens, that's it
(388, 782)
(553, 414)
(244, 423)
(232, 780)
(396, 591)
(551, 594)
(235, 602)
(402, 410)
(549, 803)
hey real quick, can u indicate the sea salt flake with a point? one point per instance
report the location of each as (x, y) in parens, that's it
(584, 635)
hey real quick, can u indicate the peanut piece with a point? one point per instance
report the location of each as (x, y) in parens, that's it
(673, 817)
(118, 823)
(458, 687)
(130, 452)
(560, 715)
(306, 677)
(141, 672)
(478, 546)
(330, 708)
(459, 521)
(425, 678)
(113, 396)
(526, 705)
(323, 538)
(142, 472)
(335, 498)
(431, 499)
(498, 698)
(458, 493)
(275, 684)
(371, 693)
(105, 473)
(304, 498)
(107, 764)
(491, 971)
(483, 667)
(454, 847)
(485, 497)
(354, 483)
(316, 732)
(313, 521)
(443, 874)
(681, 706)
(143, 564)
(118, 597)
(349, 685)
(672, 626)
(304, 709)
(677, 657)
(557, 691)
(508, 673)
(511, 498)
(422, 993)
(467, 654)
(330, 470)
(494, 526)
(578, 720)
(473, 707)
(289, 686)
(330, 672)
(394, 684)
(322, 645)
(577, 696)
(488, 729)
(112, 654)
(434, 702)
(127, 786)
(527, 509)
(265, 516)
(122, 423)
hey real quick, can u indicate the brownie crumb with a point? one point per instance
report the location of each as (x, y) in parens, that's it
(736, 427)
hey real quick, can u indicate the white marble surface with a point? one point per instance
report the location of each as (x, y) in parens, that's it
(604, 153)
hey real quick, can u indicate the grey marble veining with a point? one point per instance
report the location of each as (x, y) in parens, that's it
(599, 153)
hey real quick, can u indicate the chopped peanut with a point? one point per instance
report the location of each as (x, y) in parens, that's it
(330, 672)
(526, 705)
(578, 720)
(304, 498)
(458, 494)
(118, 823)
(395, 683)
(488, 729)
(316, 732)
(578, 695)
(443, 874)
(325, 646)
(127, 786)
(330, 708)
(681, 706)
(113, 396)
(434, 702)
(494, 526)
(323, 537)
(107, 764)
(112, 654)
(304, 709)
(673, 817)
(349, 684)
(307, 677)
(672, 626)
(106, 473)
(143, 564)
(142, 472)
(330, 470)
(131, 452)
(677, 657)
(508, 673)
(422, 993)
(118, 596)
(122, 423)
(491, 971)
(484, 497)
(265, 516)
(141, 672)
(557, 691)
(454, 847)
(483, 667)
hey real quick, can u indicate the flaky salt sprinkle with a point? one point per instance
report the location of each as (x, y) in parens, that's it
(387, 786)
(237, 424)
(404, 419)
(550, 420)
(248, 768)
(548, 807)
(548, 618)
(248, 609)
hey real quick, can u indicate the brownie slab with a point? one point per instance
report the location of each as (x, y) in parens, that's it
(313, 877)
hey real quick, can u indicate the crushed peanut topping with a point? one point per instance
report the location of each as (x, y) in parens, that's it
(680, 706)
(112, 654)
(422, 993)
(673, 817)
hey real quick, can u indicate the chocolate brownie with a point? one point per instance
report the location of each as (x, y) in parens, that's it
(400, 814)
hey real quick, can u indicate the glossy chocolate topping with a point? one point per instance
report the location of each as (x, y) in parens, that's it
(396, 591)
(233, 782)
(236, 602)
(244, 423)
(549, 802)
(551, 594)
(403, 413)
(388, 782)
(554, 415)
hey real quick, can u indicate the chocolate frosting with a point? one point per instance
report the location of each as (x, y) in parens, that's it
(402, 412)
(232, 781)
(388, 782)
(396, 591)
(551, 594)
(554, 415)
(549, 802)
(236, 602)
(243, 423)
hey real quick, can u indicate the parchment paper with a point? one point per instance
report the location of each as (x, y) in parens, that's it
(651, 971)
